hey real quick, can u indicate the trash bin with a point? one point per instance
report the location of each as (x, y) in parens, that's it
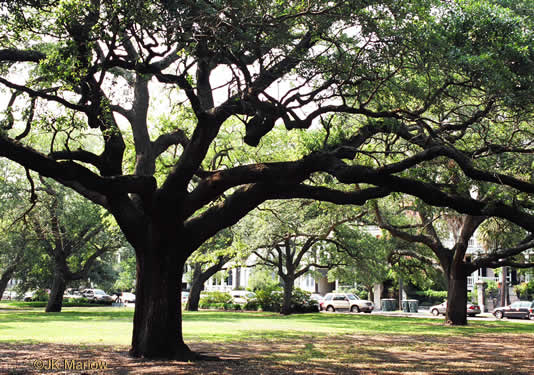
(413, 305)
(388, 304)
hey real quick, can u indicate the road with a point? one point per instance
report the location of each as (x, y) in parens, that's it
(423, 313)
(426, 314)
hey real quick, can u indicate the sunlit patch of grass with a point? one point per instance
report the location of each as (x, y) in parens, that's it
(113, 326)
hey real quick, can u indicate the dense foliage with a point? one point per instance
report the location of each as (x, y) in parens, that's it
(161, 113)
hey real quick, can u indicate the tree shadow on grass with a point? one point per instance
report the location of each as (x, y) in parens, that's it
(341, 354)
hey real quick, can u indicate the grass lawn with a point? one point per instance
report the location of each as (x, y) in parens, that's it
(268, 343)
(113, 326)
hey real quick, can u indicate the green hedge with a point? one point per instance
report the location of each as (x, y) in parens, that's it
(271, 298)
(219, 306)
(211, 298)
(75, 303)
(525, 290)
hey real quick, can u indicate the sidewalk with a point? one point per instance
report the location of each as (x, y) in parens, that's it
(423, 313)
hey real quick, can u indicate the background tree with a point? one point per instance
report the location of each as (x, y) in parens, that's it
(290, 237)
(209, 259)
(16, 249)
(126, 270)
(73, 236)
(12, 256)
(425, 229)
(410, 85)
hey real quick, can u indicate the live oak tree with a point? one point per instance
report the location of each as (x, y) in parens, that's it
(410, 81)
(361, 258)
(432, 228)
(13, 252)
(367, 259)
(292, 237)
(205, 262)
(72, 236)
(16, 240)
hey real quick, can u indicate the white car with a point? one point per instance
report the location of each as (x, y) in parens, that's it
(97, 295)
(9, 295)
(241, 297)
(71, 293)
(345, 301)
(125, 297)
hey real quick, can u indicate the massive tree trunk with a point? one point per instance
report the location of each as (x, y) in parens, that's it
(157, 331)
(289, 283)
(55, 300)
(457, 295)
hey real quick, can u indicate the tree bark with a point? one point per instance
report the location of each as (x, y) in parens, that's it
(55, 300)
(196, 287)
(157, 329)
(6, 276)
(289, 283)
(457, 296)
(199, 278)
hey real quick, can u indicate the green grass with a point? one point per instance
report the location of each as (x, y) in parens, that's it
(113, 326)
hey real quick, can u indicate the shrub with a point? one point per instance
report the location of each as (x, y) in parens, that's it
(205, 303)
(525, 290)
(236, 306)
(431, 297)
(251, 305)
(216, 297)
(270, 298)
(300, 297)
(40, 295)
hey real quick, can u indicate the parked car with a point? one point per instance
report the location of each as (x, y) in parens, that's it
(519, 309)
(241, 297)
(317, 297)
(9, 295)
(124, 297)
(71, 293)
(28, 296)
(97, 295)
(472, 310)
(345, 301)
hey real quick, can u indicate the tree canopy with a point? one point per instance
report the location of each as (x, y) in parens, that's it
(390, 87)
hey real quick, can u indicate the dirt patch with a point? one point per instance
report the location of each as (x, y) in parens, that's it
(350, 354)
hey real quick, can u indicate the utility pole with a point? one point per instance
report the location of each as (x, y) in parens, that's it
(401, 292)
(504, 286)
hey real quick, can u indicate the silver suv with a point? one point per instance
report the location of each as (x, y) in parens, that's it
(346, 301)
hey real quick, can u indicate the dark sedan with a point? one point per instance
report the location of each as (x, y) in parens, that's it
(519, 309)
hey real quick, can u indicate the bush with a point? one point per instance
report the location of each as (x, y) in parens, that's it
(251, 305)
(211, 302)
(431, 297)
(270, 298)
(525, 290)
(215, 297)
(232, 306)
(40, 295)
